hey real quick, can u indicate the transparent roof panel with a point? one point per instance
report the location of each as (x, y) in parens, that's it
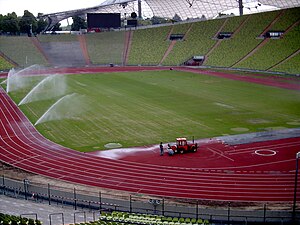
(195, 8)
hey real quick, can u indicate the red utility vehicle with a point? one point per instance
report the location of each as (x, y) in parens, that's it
(182, 146)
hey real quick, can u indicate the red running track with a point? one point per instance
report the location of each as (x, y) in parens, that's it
(262, 171)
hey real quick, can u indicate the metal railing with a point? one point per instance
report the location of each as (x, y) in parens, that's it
(227, 213)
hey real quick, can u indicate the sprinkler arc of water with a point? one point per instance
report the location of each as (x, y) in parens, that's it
(13, 75)
(53, 107)
(30, 96)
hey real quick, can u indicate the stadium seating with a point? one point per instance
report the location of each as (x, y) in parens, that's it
(106, 47)
(151, 46)
(62, 49)
(148, 46)
(4, 65)
(21, 50)
(279, 49)
(229, 52)
(197, 42)
(122, 218)
(290, 66)
(57, 38)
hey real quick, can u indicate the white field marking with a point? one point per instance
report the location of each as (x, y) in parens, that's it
(224, 105)
(290, 144)
(43, 139)
(81, 168)
(50, 163)
(51, 145)
(214, 151)
(81, 84)
(271, 152)
(250, 150)
(40, 150)
(26, 159)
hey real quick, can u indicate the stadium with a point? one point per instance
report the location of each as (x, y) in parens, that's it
(83, 113)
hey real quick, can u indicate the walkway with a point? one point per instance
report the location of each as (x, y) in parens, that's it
(19, 207)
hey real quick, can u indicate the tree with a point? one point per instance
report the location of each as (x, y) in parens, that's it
(10, 23)
(78, 23)
(176, 18)
(158, 20)
(41, 23)
(28, 23)
(57, 27)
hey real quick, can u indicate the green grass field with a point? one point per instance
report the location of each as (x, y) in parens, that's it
(141, 108)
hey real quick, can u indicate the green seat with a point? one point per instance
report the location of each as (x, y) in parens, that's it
(199, 221)
(193, 220)
(175, 219)
(181, 220)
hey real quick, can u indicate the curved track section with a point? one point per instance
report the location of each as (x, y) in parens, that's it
(254, 172)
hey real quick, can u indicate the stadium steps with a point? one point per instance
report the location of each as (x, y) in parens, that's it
(38, 45)
(82, 41)
(291, 27)
(272, 23)
(221, 28)
(218, 42)
(283, 61)
(186, 33)
(216, 45)
(64, 53)
(240, 27)
(168, 51)
(9, 59)
(292, 55)
(170, 33)
(260, 45)
(128, 42)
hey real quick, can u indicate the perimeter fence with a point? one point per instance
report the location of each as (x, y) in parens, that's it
(215, 212)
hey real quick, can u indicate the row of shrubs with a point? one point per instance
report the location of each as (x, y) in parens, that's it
(6, 219)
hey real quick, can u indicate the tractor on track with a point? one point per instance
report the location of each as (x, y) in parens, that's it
(182, 146)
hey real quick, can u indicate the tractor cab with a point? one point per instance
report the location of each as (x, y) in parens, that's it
(183, 146)
(181, 141)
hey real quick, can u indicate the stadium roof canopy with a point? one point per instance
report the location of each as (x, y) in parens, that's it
(168, 8)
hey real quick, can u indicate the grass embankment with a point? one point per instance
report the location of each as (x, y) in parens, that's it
(143, 108)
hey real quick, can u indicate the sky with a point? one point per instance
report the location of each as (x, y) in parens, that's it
(44, 6)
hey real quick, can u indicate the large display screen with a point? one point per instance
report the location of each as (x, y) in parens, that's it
(104, 20)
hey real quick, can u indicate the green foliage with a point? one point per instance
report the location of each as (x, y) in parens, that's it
(13, 24)
(10, 23)
(57, 27)
(159, 20)
(140, 108)
(42, 24)
(78, 23)
(106, 47)
(28, 23)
